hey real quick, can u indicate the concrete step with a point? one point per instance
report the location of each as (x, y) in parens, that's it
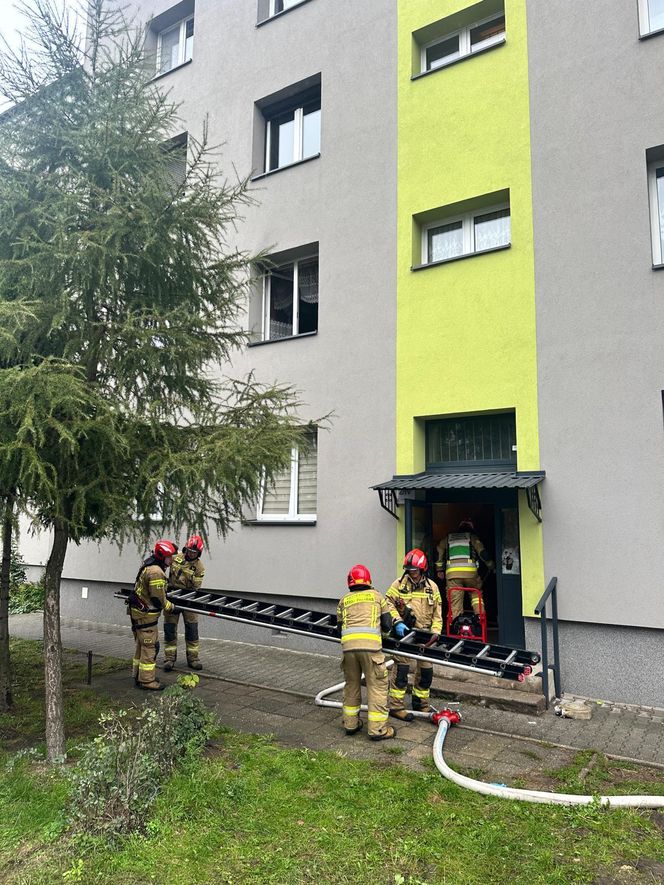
(499, 698)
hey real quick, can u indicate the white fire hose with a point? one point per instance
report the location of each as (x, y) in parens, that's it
(445, 718)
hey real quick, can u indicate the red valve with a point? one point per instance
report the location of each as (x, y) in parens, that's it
(452, 716)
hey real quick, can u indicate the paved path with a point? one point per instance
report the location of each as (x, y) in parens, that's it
(265, 689)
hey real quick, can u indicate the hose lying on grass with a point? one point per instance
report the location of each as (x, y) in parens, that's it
(445, 718)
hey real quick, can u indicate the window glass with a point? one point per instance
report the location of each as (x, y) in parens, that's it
(189, 40)
(277, 497)
(487, 438)
(307, 296)
(280, 5)
(442, 53)
(655, 14)
(487, 33)
(306, 480)
(281, 302)
(492, 230)
(282, 133)
(660, 203)
(170, 50)
(445, 241)
(311, 133)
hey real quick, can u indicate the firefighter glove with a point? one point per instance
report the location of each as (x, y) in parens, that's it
(400, 630)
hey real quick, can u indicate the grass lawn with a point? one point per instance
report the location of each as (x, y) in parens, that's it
(255, 812)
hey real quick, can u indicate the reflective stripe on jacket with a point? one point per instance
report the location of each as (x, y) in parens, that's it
(185, 574)
(151, 589)
(358, 617)
(423, 599)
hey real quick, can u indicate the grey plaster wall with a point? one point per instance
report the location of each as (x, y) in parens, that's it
(597, 105)
(622, 664)
(346, 201)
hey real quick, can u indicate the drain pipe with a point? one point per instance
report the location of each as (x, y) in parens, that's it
(446, 718)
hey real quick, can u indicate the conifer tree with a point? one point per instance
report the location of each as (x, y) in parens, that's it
(124, 297)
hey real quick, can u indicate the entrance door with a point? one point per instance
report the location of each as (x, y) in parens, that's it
(496, 519)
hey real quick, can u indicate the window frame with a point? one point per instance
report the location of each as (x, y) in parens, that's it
(656, 213)
(274, 11)
(645, 30)
(265, 313)
(182, 44)
(298, 136)
(466, 50)
(292, 515)
(467, 220)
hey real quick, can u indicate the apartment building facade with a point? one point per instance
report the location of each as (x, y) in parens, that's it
(464, 205)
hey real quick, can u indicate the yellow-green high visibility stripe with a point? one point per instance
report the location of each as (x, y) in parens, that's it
(135, 662)
(398, 692)
(146, 666)
(351, 711)
(420, 692)
(377, 717)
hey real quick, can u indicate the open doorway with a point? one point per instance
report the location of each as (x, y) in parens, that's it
(495, 516)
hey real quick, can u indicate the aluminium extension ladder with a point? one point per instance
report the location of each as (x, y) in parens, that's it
(448, 651)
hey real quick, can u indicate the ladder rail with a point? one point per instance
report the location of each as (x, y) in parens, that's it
(469, 654)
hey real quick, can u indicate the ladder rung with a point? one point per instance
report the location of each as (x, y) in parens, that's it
(322, 621)
(286, 613)
(510, 657)
(455, 648)
(206, 598)
(303, 617)
(268, 611)
(480, 654)
(250, 608)
(235, 604)
(188, 596)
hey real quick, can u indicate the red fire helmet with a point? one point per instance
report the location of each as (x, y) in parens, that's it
(194, 543)
(359, 576)
(162, 549)
(416, 559)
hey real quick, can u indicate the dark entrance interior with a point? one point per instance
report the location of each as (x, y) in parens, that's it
(495, 515)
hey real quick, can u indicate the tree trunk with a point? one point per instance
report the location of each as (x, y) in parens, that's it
(55, 720)
(5, 663)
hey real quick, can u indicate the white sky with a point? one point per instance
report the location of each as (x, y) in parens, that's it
(12, 22)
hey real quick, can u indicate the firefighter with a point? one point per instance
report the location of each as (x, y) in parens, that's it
(459, 556)
(146, 601)
(362, 614)
(187, 573)
(417, 599)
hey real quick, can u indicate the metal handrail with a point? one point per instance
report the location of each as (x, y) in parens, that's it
(540, 609)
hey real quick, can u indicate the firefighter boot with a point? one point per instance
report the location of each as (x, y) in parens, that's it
(355, 730)
(151, 686)
(384, 735)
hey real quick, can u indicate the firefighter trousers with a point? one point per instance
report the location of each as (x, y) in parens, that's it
(399, 684)
(457, 596)
(372, 664)
(144, 665)
(190, 635)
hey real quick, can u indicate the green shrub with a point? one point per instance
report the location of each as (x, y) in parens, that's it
(24, 596)
(122, 770)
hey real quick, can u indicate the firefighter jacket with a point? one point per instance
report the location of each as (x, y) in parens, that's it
(150, 592)
(462, 552)
(362, 615)
(186, 574)
(423, 599)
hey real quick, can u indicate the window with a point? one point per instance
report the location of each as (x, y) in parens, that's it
(269, 8)
(292, 497)
(651, 16)
(175, 45)
(476, 440)
(293, 133)
(656, 187)
(290, 299)
(467, 233)
(176, 149)
(462, 42)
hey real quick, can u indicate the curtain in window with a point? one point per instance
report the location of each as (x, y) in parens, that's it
(445, 241)
(492, 229)
(277, 497)
(306, 482)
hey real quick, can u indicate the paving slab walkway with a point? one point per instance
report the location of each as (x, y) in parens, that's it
(270, 690)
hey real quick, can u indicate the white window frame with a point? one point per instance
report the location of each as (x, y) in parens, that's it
(292, 515)
(274, 11)
(656, 225)
(467, 220)
(182, 43)
(644, 19)
(298, 140)
(267, 279)
(465, 48)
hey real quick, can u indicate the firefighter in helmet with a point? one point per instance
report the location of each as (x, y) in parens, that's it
(417, 599)
(187, 573)
(362, 614)
(459, 556)
(146, 601)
